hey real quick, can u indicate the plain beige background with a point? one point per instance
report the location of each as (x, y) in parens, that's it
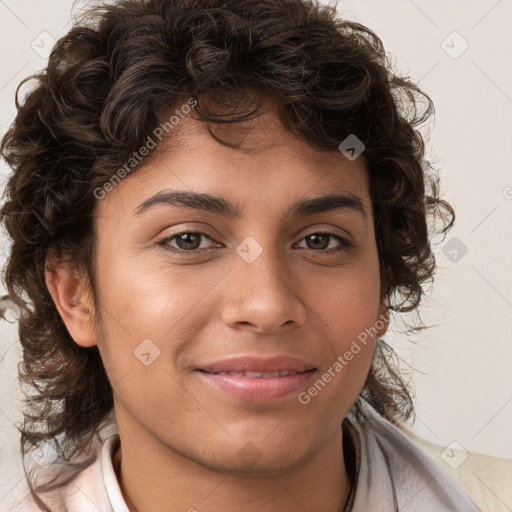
(460, 53)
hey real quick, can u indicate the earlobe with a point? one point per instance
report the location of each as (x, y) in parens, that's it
(69, 293)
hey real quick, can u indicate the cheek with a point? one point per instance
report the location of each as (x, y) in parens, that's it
(350, 336)
(349, 309)
(147, 296)
(347, 300)
(145, 302)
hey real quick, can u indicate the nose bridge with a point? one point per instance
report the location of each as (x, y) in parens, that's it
(261, 265)
(261, 293)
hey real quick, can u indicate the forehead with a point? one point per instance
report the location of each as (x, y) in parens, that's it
(271, 165)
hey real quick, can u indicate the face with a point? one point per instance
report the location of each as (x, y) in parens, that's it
(183, 291)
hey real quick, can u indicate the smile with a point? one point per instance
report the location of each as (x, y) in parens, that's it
(257, 375)
(257, 386)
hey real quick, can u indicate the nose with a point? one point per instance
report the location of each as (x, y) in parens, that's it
(262, 296)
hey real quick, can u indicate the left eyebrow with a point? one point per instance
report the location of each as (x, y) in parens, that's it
(326, 203)
(219, 205)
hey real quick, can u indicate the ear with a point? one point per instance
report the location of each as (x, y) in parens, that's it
(382, 322)
(74, 304)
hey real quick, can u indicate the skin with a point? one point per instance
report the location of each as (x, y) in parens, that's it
(181, 438)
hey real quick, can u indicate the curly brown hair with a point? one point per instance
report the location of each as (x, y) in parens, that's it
(108, 83)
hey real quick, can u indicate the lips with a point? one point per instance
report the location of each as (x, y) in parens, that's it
(258, 379)
(259, 367)
(258, 375)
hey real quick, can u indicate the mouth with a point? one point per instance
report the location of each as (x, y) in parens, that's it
(258, 375)
(257, 366)
(257, 379)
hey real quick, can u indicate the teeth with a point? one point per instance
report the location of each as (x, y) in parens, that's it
(258, 375)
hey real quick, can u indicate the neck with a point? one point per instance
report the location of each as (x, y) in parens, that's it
(180, 484)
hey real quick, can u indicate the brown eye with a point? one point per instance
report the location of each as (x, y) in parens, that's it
(187, 241)
(321, 241)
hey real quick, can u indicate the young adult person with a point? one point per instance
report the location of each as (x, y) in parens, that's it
(214, 206)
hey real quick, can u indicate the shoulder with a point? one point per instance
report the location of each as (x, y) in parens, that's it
(23, 501)
(486, 479)
(84, 493)
(396, 469)
(80, 489)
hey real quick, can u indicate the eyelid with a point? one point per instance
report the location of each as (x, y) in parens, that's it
(169, 236)
(345, 244)
(315, 229)
(325, 229)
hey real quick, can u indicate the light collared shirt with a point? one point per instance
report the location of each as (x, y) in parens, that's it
(392, 474)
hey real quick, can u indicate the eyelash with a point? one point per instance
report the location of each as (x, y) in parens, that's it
(345, 244)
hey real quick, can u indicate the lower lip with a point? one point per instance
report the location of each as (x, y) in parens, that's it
(257, 389)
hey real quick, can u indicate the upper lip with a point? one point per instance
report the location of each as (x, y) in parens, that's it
(259, 364)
